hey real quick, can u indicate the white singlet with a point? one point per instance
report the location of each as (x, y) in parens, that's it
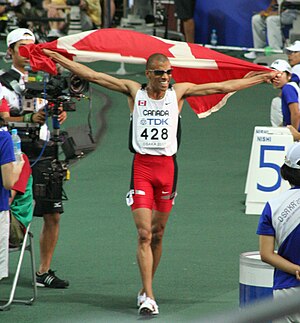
(155, 124)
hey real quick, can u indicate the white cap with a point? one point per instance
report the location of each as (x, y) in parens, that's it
(281, 65)
(19, 34)
(292, 158)
(295, 47)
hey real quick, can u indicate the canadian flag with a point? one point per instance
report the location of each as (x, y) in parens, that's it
(190, 62)
(142, 103)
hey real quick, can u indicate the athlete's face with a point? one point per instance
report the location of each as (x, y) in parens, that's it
(19, 61)
(281, 79)
(159, 75)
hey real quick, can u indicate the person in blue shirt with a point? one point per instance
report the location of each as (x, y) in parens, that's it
(290, 93)
(10, 171)
(279, 225)
(293, 53)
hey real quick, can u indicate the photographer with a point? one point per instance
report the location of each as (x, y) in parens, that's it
(12, 110)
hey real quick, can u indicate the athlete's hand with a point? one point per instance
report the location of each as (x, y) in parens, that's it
(266, 76)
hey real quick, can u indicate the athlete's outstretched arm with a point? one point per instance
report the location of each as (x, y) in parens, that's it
(121, 85)
(191, 89)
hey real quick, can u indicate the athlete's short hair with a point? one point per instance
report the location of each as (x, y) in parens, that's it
(155, 57)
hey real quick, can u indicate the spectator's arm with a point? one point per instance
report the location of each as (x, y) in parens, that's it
(295, 114)
(295, 133)
(268, 255)
(10, 173)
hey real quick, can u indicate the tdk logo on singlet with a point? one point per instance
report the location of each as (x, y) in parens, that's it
(154, 122)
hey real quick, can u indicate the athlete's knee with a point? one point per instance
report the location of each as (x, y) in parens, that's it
(157, 234)
(144, 236)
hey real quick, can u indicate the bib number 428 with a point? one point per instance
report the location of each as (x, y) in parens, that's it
(155, 134)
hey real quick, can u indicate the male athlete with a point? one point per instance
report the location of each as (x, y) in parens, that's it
(155, 108)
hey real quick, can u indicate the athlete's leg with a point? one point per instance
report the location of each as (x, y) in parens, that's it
(143, 221)
(159, 221)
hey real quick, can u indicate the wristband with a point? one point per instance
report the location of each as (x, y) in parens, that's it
(28, 117)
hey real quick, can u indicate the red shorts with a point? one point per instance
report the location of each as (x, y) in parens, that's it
(153, 182)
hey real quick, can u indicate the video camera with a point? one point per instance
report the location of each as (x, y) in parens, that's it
(50, 93)
(55, 89)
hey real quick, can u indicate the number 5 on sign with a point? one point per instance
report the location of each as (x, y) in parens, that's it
(264, 182)
(264, 150)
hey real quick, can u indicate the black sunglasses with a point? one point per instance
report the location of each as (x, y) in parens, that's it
(161, 72)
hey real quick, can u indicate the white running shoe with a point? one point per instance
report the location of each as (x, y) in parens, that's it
(54, 33)
(250, 55)
(140, 299)
(149, 307)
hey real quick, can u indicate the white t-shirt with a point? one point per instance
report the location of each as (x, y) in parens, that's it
(276, 117)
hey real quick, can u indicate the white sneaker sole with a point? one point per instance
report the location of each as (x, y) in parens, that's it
(149, 307)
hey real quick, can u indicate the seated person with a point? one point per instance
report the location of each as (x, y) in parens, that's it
(9, 175)
(90, 11)
(293, 52)
(266, 27)
(56, 9)
(9, 10)
(21, 205)
(290, 93)
(32, 9)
